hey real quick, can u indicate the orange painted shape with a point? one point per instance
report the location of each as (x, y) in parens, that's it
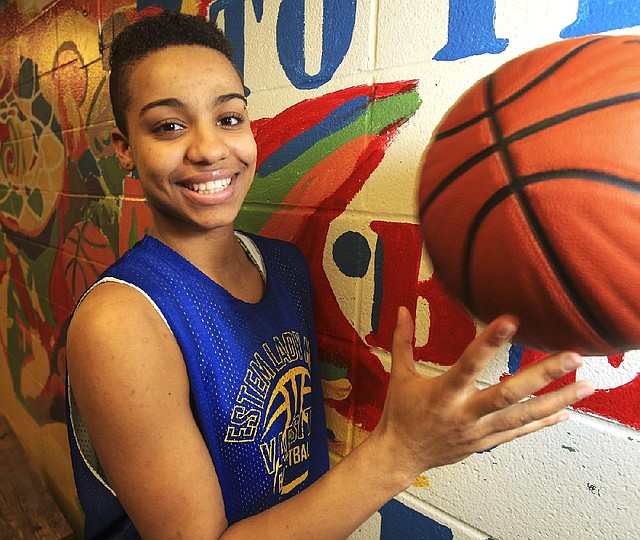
(315, 186)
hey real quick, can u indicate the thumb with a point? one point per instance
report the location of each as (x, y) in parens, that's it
(402, 347)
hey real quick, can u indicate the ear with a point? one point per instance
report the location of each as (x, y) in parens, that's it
(122, 148)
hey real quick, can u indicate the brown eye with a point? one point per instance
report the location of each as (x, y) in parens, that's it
(169, 127)
(231, 120)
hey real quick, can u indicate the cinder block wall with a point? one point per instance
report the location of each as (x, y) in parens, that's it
(344, 95)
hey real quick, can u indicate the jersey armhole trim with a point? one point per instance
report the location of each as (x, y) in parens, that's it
(252, 251)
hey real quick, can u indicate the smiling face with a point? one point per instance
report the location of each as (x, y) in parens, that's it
(189, 138)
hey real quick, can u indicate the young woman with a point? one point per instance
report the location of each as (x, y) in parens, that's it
(194, 396)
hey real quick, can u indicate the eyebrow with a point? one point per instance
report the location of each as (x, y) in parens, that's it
(228, 97)
(176, 103)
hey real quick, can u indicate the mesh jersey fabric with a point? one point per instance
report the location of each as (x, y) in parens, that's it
(254, 377)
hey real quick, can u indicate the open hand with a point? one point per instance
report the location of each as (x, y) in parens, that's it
(433, 421)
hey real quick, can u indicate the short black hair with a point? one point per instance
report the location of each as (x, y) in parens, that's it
(153, 33)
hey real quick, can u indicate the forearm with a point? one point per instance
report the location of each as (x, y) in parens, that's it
(426, 423)
(334, 506)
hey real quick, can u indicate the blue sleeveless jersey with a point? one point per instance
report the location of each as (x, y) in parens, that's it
(254, 377)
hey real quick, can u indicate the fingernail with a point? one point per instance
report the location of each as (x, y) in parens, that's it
(585, 391)
(571, 361)
(506, 331)
(564, 417)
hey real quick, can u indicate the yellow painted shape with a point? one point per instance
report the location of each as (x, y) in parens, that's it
(338, 389)
(35, 370)
(421, 481)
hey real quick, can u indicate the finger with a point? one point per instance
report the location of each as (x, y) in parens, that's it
(481, 350)
(501, 437)
(534, 409)
(525, 383)
(402, 346)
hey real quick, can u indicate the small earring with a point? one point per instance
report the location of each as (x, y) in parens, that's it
(131, 168)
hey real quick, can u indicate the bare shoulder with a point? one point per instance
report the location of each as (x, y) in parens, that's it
(119, 345)
(113, 308)
(130, 382)
(117, 335)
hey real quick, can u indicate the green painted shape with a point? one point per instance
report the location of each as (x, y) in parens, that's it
(3, 247)
(16, 203)
(330, 372)
(18, 346)
(42, 268)
(11, 203)
(36, 201)
(6, 201)
(18, 339)
(133, 233)
(112, 178)
(105, 216)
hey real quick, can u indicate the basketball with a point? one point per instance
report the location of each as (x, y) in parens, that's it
(529, 196)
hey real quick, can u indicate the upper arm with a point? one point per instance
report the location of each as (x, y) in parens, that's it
(130, 383)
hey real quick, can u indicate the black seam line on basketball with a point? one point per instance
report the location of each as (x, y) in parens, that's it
(501, 194)
(541, 238)
(534, 82)
(525, 132)
(590, 175)
(535, 225)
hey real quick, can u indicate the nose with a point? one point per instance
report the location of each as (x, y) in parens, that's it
(206, 145)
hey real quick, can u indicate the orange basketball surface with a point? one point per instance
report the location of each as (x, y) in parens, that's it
(529, 196)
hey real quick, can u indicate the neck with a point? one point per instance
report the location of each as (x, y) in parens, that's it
(219, 255)
(211, 251)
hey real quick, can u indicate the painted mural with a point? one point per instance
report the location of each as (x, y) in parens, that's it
(67, 210)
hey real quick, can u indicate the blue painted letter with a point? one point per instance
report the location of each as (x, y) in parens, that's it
(471, 30)
(601, 16)
(234, 24)
(337, 30)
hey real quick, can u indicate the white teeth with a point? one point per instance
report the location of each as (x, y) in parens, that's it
(210, 187)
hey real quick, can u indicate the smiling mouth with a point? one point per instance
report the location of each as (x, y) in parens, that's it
(214, 186)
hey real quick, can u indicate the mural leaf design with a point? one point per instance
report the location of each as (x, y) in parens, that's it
(91, 254)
